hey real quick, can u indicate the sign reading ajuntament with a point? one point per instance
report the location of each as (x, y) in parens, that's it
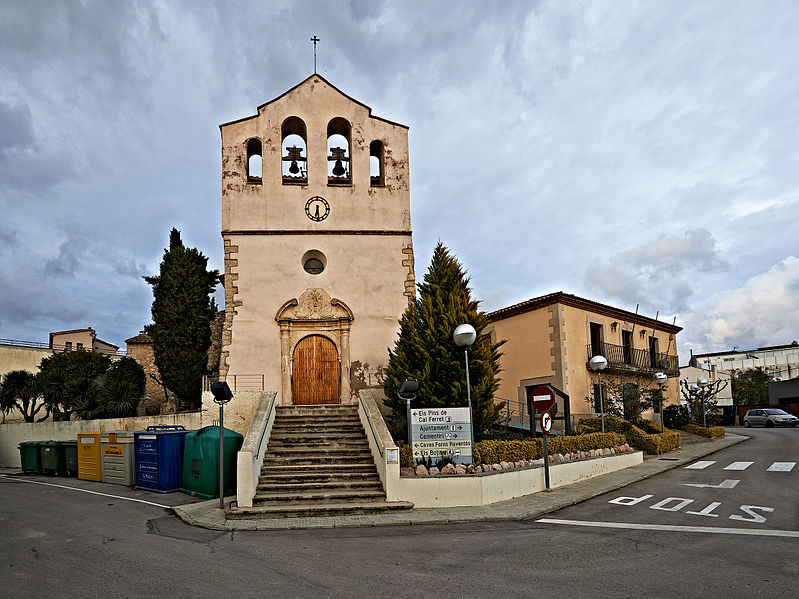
(441, 432)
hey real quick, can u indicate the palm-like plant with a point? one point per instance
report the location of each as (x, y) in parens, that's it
(19, 389)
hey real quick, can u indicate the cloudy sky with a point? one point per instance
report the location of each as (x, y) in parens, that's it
(629, 152)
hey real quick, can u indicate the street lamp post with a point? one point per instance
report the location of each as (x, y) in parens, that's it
(703, 383)
(464, 336)
(598, 364)
(407, 391)
(661, 378)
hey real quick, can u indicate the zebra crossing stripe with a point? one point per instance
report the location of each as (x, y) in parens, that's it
(781, 467)
(739, 466)
(700, 465)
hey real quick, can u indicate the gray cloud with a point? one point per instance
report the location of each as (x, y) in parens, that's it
(763, 311)
(544, 136)
(16, 126)
(659, 274)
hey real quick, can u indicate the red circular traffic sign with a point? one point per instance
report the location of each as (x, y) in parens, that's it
(546, 422)
(542, 397)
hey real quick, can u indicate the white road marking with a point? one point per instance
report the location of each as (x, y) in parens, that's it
(36, 482)
(708, 511)
(781, 467)
(739, 466)
(700, 465)
(765, 532)
(681, 502)
(727, 483)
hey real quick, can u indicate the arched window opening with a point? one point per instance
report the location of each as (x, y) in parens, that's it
(254, 161)
(338, 152)
(376, 169)
(294, 152)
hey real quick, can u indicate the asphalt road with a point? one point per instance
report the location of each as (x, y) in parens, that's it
(58, 542)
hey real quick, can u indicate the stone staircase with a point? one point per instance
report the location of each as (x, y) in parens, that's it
(317, 463)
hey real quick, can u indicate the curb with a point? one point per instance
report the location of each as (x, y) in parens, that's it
(206, 514)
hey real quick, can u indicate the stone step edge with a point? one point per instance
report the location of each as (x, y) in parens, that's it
(278, 511)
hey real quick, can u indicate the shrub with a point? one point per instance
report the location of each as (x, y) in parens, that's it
(650, 426)
(492, 452)
(676, 416)
(406, 455)
(613, 424)
(656, 443)
(712, 432)
(653, 444)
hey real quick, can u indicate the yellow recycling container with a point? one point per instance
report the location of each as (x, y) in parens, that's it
(89, 458)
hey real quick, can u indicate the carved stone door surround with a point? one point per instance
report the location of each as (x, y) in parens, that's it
(314, 313)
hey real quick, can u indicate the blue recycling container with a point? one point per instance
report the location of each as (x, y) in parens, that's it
(159, 457)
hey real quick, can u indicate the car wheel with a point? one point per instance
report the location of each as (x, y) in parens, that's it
(769, 424)
(747, 424)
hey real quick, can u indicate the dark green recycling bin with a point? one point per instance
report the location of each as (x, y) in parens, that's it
(201, 461)
(53, 458)
(30, 457)
(70, 457)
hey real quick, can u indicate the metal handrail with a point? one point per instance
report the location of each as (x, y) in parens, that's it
(620, 356)
(238, 382)
(58, 347)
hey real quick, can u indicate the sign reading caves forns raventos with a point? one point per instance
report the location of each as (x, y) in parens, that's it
(441, 432)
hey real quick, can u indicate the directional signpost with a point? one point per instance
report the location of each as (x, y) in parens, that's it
(546, 428)
(543, 398)
(441, 432)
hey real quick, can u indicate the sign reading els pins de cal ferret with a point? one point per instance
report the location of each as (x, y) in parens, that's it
(440, 432)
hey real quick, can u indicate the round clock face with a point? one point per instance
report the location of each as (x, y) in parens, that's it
(317, 208)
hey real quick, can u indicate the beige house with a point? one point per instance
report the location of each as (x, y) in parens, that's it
(318, 251)
(81, 339)
(550, 340)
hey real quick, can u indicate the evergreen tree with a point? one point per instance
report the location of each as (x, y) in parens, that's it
(425, 350)
(182, 312)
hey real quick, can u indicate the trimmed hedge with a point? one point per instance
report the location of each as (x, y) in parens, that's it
(492, 452)
(711, 432)
(655, 443)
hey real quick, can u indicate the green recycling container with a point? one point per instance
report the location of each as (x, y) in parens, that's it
(30, 456)
(201, 461)
(53, 458)
(70, 457)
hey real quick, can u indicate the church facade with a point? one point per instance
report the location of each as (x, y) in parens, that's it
(318, 249)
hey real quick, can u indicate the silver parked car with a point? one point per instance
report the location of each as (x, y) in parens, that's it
(770, 417)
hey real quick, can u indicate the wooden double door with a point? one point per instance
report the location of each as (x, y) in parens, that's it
(315, 373)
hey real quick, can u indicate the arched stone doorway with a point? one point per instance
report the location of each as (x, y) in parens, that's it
(314, 330)
(315, 372)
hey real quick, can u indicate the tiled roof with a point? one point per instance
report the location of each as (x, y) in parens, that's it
(140, 338)
(584, 304)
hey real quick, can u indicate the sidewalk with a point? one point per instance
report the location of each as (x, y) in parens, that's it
(207, 514)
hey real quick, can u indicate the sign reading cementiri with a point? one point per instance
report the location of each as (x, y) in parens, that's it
(441, 432)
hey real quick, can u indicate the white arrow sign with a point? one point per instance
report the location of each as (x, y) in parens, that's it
(728, 483)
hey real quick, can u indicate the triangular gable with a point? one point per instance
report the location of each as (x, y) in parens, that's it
(303, 82)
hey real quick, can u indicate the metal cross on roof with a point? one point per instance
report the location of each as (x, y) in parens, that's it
(314, 39)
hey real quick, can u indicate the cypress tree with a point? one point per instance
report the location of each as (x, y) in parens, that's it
(425, 350)
(182, 312)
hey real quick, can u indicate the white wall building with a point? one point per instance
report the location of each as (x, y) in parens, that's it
(779, 361)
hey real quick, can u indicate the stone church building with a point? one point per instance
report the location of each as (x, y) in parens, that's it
(316, 226)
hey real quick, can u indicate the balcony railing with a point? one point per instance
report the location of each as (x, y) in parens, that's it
(626, 358)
